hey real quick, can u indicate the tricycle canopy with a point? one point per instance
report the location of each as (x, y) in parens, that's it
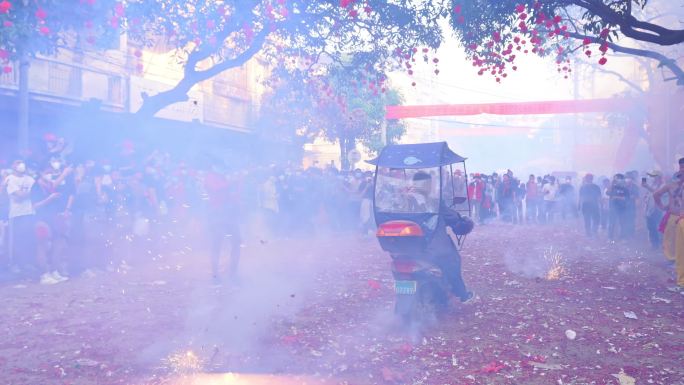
(419, 180)
(420, 155)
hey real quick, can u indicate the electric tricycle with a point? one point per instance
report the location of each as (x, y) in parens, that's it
(420, 192)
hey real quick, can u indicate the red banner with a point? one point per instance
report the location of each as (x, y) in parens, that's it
(519, 108)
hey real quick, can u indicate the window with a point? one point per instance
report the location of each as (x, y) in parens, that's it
(407, 190)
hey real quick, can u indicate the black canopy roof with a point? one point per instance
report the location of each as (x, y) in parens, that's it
(419, 155)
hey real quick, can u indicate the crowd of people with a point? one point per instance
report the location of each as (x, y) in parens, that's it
(612, 205)
(61, 214)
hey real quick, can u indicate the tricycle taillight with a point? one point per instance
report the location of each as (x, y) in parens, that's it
(399, 229)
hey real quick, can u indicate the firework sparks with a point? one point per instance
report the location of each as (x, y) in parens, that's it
(186, 362)
(555, 264)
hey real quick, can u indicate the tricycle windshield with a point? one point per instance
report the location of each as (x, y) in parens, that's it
(409, 191)
(455, 188)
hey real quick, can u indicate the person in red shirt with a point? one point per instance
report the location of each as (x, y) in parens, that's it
(223, 220)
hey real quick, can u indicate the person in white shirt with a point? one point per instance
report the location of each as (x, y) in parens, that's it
(654, 215)
(21, 217)
(550, 192)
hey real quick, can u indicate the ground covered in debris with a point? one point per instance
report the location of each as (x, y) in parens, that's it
(553, 308)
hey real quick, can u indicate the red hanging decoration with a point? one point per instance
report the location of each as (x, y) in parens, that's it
(41, 14)
(5, 6)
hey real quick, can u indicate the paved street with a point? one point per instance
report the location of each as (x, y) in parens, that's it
(554, 308)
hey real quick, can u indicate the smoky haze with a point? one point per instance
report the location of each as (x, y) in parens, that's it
(167, 252)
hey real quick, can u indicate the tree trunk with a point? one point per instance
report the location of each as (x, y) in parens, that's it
(346, 144)
(152, 104)
(344, 160)
(23, 129)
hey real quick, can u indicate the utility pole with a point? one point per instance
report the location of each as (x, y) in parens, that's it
(383, 131)
(24, 64)
(23, 134)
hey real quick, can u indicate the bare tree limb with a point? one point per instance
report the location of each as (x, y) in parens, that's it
(630, 26)
(623, 79)
(663, 60)
(153, 104)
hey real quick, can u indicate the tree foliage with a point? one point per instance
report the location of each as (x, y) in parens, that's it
(41, 27)
(344, 105)
(210, 37)
(496, 32)
(213, 36)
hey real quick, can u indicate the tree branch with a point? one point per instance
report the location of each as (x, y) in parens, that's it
(663, 60)
(237, 61)
(630, 83)
(630, 26)
(153, 104)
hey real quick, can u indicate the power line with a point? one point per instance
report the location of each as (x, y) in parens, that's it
(491, 125)
(454, 86)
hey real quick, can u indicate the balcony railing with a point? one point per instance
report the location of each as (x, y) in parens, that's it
(227, 112)
(68, 81)
(225, 104)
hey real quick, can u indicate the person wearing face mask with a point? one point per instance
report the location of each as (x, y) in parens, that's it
(54, 201)
(589, 204)
(105, 189)
(222, 222)
(617, 206)
(83, 214)
(653, 213)
(21, 218)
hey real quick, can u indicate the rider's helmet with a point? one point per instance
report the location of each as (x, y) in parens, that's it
(463, 226)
